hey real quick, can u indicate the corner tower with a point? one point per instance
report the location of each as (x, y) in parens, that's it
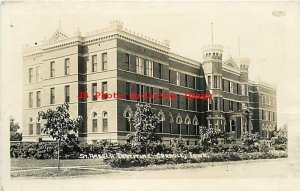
(212, 66)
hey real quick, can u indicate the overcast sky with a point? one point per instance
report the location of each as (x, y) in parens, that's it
(269, 41)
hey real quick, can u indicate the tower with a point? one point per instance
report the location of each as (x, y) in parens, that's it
(212, 66)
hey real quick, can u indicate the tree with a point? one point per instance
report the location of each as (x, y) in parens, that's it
(14, 127)
(60, 126)
(144, 121)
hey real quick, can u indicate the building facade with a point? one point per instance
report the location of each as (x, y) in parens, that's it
(116, 60)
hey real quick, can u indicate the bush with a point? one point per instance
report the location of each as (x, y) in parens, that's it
(213, 157)
(250, 138)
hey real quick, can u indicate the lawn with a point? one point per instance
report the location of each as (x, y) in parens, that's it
(78, 167)
(21, 163)
(48, 168)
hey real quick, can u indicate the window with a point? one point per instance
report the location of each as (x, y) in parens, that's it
(223, 88)
(160, 71)
(52, 95)
(67, 94)
(30, 75)
(187, 129)
(209, 123)
(209, 82)
(94, 91)
(52, 69)
(217, 124)
(38, 73)
(221, 125)
(177, 78)
(142, 93)
(232, 125)
(104, 121)
(152, 93)
(160, 96)
(140, 65)
(160, 127)
(243, 89)
(238, 106)
(179, 128)
(127, 91)
(147, 69)
(127, 62)
(231, 105)
(187, 104)
(127, 125)
(138, 92)
(67, 66)
(185, 80)
(223, 104)
(30, 100)
(38, 128)
(38, 99)
(95, 122)
(193, 82)
(169, 76)
(170, 125)
(209, 104)
(178, 101)
(104, 89)
(230, 87)
(151, 68)
(147, 93)
(94, 63)
(237, 88)
(104, 61)
(216, 104)
(216, 82)
(31, 129)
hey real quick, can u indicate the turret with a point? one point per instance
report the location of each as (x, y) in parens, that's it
(212, 53)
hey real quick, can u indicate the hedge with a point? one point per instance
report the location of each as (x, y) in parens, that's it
(72, 150)
(212, 157)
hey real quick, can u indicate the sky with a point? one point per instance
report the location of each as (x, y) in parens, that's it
(269, 41)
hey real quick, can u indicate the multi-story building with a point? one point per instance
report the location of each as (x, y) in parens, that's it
(116, 60)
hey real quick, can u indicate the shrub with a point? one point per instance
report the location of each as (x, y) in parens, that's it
(213, 157)
(249, 138)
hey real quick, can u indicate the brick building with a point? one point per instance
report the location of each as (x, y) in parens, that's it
(116, 60)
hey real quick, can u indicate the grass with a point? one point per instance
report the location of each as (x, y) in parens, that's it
(17, 163)
(79, 167)
(54, 172)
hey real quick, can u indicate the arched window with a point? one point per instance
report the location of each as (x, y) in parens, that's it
(179, 129)
(127, 121)
(95, 122)
(104, 121)
(30, 126)
(232, 125)
(246, 125)
(160, 124)
(38, 127)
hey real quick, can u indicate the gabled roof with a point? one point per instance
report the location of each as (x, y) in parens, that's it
(230, 64)
(57, 36)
